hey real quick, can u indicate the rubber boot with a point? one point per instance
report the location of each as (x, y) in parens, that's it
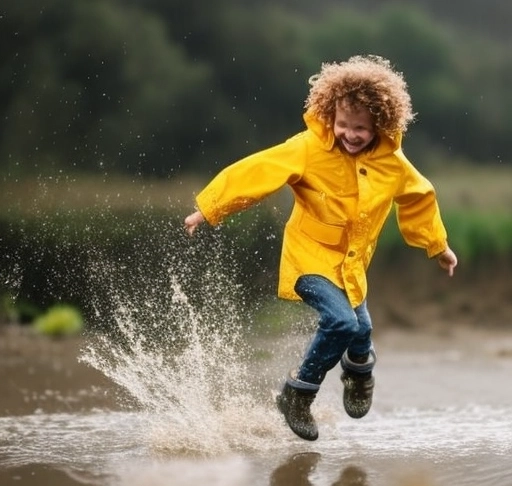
(358, 385)
(294, 402)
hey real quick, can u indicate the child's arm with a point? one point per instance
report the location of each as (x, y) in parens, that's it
(418, 214)
(193, 221)
(447, 260)
(420, 220)
(248, 181)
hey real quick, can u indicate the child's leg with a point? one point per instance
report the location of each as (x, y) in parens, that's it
(294, 402)
(361, 345)
(357, 364)
(337, 327)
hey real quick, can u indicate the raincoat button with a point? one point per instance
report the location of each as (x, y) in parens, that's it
(362, 171)
(351, 253)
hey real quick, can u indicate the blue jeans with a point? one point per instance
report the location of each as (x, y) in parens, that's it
(340, 327)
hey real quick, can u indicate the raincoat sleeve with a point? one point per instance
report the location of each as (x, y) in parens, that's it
(418, 213)
(248, 181)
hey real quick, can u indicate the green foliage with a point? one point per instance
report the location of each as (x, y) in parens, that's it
(54, 236)
(105, 88)
(473, 17)
(60, 320)
(8, 311)
(56, 267)
(480, 237)
(158, 87)
(476, 237)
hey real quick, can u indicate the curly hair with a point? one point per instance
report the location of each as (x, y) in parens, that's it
(368, 81)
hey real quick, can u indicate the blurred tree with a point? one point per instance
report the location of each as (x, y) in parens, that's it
(96, 85)
(448, 80)
(427, 60)
(485, 18)
(263, 72)
(257, 56)
(161, 86)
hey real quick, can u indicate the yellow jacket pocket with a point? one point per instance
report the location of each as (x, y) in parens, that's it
(328, 234)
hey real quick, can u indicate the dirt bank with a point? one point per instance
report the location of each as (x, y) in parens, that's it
(417, 294)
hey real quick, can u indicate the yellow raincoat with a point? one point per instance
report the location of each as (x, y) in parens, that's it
(341, 204)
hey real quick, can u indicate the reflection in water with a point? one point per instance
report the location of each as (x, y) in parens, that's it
(196, 417)
(297, 469)
(106, 448)
(351, 476)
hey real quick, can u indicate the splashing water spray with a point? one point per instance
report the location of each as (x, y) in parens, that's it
(177, 347)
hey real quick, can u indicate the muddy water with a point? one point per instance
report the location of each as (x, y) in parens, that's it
(442, 416)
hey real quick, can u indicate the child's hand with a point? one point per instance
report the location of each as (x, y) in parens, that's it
(447, 260)
(193, 221)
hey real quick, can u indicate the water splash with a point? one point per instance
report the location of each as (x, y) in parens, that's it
(179, 351)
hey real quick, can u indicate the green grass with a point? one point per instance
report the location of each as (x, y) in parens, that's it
(470, 188)
(474, 189)
(475, 202)
(48, 224)
(477, 236)
(36, 195)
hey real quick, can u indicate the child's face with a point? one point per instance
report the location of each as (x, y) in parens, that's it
(353, 128)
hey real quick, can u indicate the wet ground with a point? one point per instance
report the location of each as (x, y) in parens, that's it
(442, 416)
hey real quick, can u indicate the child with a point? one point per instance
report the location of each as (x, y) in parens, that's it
(346, 171)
